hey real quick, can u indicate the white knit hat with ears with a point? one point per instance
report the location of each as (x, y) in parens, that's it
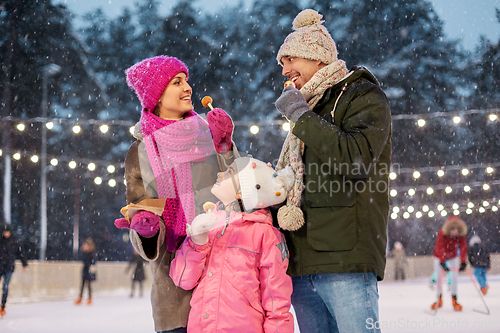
(261, 186)
(310, 40)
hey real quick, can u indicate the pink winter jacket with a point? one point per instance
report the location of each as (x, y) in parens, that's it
(239, 275)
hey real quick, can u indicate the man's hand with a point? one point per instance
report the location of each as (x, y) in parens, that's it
(291, 104)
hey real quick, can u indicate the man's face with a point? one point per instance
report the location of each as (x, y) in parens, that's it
(300, 70)
(6, 233)
(454, 232)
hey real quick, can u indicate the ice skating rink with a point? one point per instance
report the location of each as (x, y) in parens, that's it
(403, 307)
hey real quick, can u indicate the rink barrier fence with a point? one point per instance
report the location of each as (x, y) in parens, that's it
(61, 280)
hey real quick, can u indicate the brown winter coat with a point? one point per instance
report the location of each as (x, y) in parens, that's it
(170, 304)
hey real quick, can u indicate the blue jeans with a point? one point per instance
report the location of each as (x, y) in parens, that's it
(480, 274)
(340, 302)
(5, 287)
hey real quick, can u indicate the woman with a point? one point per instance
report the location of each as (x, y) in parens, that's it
(88, 271)
(169, 171)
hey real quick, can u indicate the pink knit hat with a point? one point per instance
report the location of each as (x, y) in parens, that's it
(310, 40)
(151, 76)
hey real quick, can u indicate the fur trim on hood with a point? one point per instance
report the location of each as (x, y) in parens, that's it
(455, 222)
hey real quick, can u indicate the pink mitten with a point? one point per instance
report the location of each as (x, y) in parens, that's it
(200, 227)
(145, 223)
(221, 125)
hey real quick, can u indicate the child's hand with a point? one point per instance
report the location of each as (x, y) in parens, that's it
(200, 227)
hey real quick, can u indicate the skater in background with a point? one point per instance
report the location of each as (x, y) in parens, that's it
(400, 260)
(138, 276)
(479, 258)
(9, 249)
(450, 238)
(88, 270)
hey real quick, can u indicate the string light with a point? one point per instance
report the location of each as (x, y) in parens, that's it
(76, 129)
(21, 127)
(254, 129)
(104, 128)
(34, 159)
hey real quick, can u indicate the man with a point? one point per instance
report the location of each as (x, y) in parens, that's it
(450, 238)
(339, 147)
(9, 248)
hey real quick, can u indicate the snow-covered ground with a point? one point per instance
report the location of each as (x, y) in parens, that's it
(403, 307)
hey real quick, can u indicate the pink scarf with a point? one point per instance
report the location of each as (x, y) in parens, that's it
(171, 146)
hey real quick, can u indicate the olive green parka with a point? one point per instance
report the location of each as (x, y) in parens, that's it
(347, 161)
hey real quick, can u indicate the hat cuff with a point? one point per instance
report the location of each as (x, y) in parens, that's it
(249, 194)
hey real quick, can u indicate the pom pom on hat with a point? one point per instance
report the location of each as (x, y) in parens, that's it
(150, 77)
(305, 18)
(290, 217)
(310, 40)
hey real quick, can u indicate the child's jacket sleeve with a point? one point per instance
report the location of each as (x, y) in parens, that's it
(276, 285)
(188, 264)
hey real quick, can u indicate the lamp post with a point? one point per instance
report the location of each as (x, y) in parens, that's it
(47, 71)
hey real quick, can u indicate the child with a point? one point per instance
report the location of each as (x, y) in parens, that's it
(479, 258)
(235, 259)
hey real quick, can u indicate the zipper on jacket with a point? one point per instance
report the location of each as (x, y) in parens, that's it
(344, 88)
(228, 214)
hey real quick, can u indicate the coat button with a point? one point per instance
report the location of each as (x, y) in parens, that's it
(205, 316)
(210, 274)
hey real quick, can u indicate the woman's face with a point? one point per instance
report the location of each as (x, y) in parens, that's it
(176, 99)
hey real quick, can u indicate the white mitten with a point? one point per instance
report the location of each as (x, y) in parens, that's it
(200, 227)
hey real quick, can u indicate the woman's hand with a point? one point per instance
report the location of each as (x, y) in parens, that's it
(145, 223)
(221, 125)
